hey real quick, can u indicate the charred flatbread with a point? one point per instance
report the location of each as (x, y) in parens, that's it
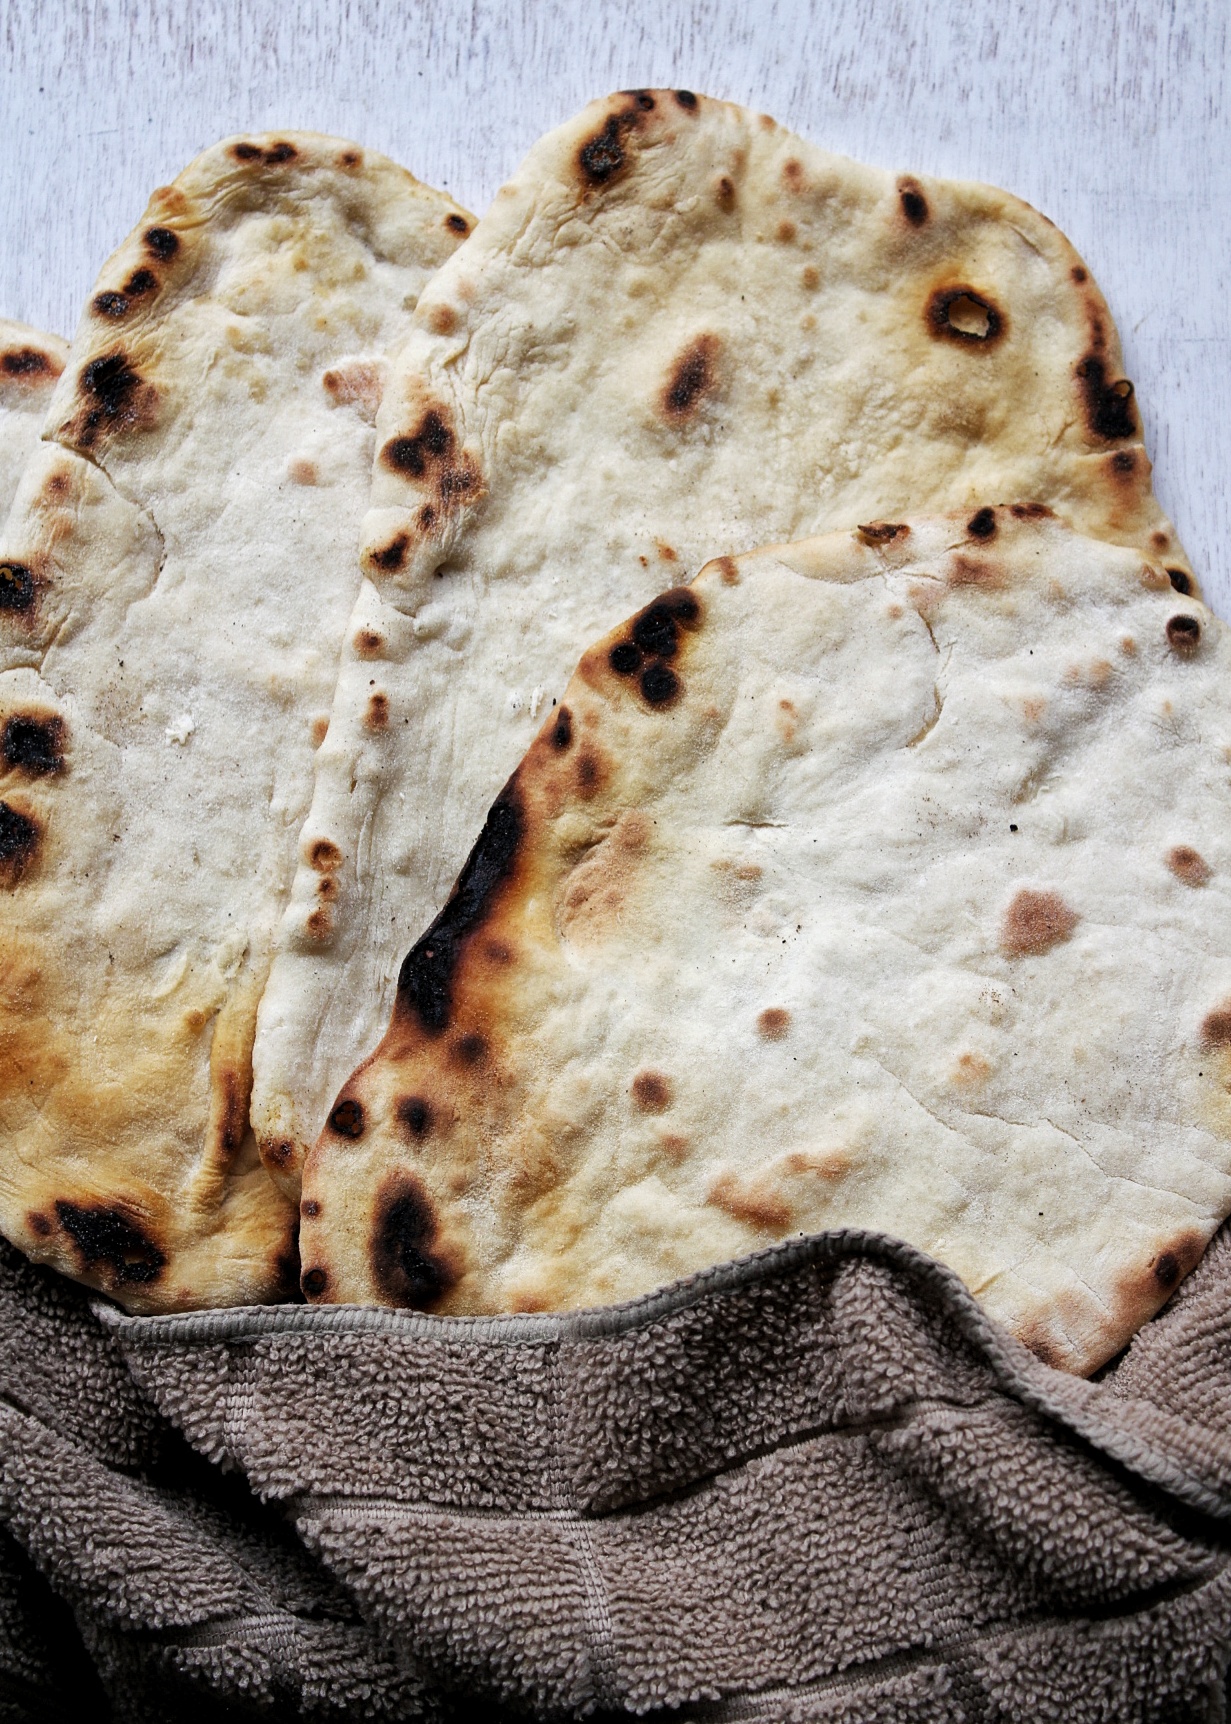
(878, 881)
(180, 566)
(680, 331)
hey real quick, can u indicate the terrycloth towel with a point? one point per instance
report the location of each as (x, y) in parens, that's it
(817, 1484)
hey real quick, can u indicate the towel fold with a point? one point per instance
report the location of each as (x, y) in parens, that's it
(816, 1484)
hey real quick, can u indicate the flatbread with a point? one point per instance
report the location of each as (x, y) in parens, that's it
(877, 881)
(179, 567)
(30, 362)
(680, 331)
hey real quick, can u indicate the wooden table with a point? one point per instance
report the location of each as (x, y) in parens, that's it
(1110, 115)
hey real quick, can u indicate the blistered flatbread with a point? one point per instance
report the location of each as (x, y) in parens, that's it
(176, 575)
(878, 881)
(680, 331)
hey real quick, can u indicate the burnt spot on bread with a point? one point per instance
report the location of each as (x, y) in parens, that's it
(642, 98)
(1078, 274)
(625, 658)
(1122, 465)
(415, 1114)
(33, 744)
(110, 1243)
(377, 715)
(654, 636)
(1183, 634)
(964, 315)
(457, 224)
(408, 1267)
(651, 1092)
(774, 1022)
(562, 730)
(161, 243)
(19, 841)
(429, 444)
(982, 524)
(601, 157)
(793, 173)
(391, 556)
(315, 1281)
(350, 160)
(1031, 511)
(429, 454)
(882, 532)
(1189, 865)
(656, 633)
(914, 204)
(1034, 923)
(368, 644)
(1181, 580)
(728, 571)
(28, 365)
(724, 193)
(346, 1120)
(310, 1208)
(140, 282)
(277, 153)
(659, 684)
(1107, 403)
(693, 376)
(39, 1225)
(113, 397)
(110, 305)
(425, 981)
(686, 100)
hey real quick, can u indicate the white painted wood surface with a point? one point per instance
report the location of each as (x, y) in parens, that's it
(1109, 115)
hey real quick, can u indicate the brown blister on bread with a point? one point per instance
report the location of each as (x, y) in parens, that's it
(1141, 1293)
(360, 385)
(745, 1200)
(983, 572)
(1189, 865)
(1035, 922)
(693, 377)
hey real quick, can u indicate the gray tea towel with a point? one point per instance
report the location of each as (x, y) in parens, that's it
(816, 1484)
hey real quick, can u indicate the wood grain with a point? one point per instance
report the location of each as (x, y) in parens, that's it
(1109, 115)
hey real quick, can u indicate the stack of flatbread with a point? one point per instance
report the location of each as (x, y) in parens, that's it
(446, 860)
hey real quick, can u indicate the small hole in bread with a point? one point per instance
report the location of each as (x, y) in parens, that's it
(968, 317)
